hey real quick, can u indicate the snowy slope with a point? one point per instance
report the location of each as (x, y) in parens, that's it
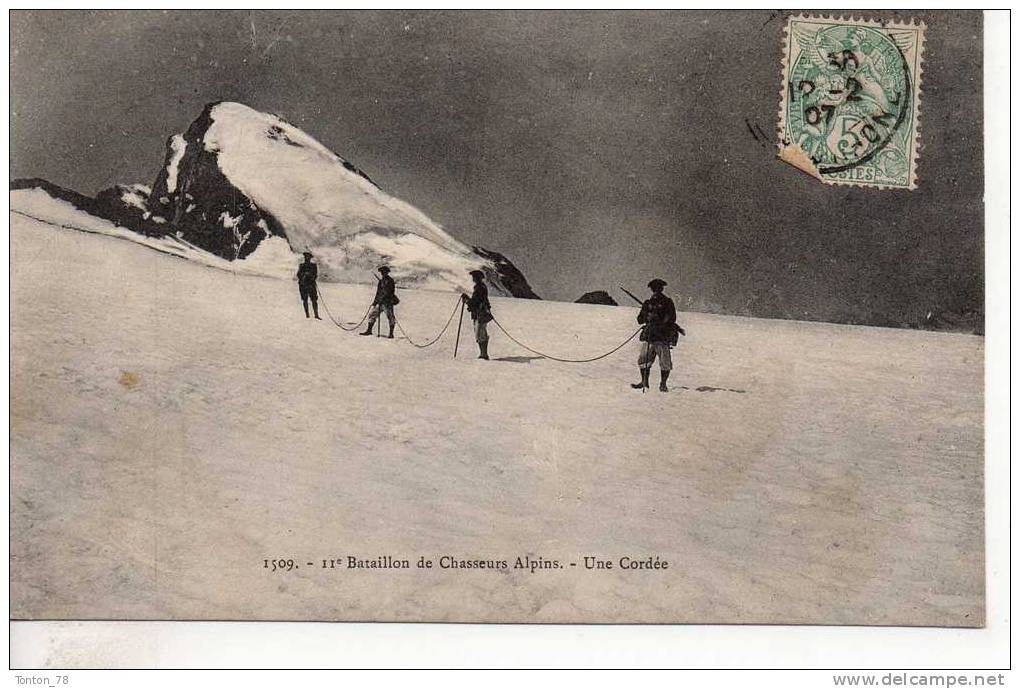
(172, 426)
(273, 258)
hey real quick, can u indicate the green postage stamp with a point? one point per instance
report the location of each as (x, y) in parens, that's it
(851, 100)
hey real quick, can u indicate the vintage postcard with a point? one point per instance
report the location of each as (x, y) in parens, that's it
(507, 316)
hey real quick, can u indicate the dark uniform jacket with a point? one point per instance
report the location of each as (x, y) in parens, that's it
(658, 315)
(386, 292)
(307, 274)
(478, 303)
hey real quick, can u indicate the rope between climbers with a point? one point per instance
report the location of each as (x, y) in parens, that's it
(433, 340)
(395, 321)
(567, 361)
(338, 323)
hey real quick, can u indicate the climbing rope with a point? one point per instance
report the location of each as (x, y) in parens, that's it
(434, 339)
(567, 361)
(338, 323)
(396, 322)
(446, 327)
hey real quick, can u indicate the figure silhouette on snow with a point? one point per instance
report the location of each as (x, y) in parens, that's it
(658, 315)
(385, 299)
(307, 274)
(481, 312)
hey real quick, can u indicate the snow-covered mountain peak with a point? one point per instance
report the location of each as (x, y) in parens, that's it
(239, 175)
(238, 178)
(317, 196)
(232, 123)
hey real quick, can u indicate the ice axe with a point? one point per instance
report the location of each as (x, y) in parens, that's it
(456, 344)
(378, 330)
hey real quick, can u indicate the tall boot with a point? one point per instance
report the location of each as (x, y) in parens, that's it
(483, 350)
(368, 329)
(662, 381)
(315, 308)
(391, 331)
(643, 385)
(304, 302)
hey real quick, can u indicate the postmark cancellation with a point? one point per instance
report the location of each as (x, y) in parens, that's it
(850, 100)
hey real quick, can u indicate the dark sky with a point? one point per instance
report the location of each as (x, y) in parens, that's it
(593, 149)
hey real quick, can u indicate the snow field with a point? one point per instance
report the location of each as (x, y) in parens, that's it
(172, 426)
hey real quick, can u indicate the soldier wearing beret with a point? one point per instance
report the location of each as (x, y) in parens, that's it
(658, 316)
(481, 312)
(385, 299)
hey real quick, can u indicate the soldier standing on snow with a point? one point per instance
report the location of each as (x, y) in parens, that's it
(307, 273)
(481, 312)
(658, 315)
(385, 299)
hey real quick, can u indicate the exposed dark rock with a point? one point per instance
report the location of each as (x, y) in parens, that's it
(79, 201)
(968, 321)
(507, 274)
(108, 204)
(126, 206)
(597, 297)
(203, 207)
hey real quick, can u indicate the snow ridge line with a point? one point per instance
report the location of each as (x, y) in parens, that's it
(396, 322)
(87, 230)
